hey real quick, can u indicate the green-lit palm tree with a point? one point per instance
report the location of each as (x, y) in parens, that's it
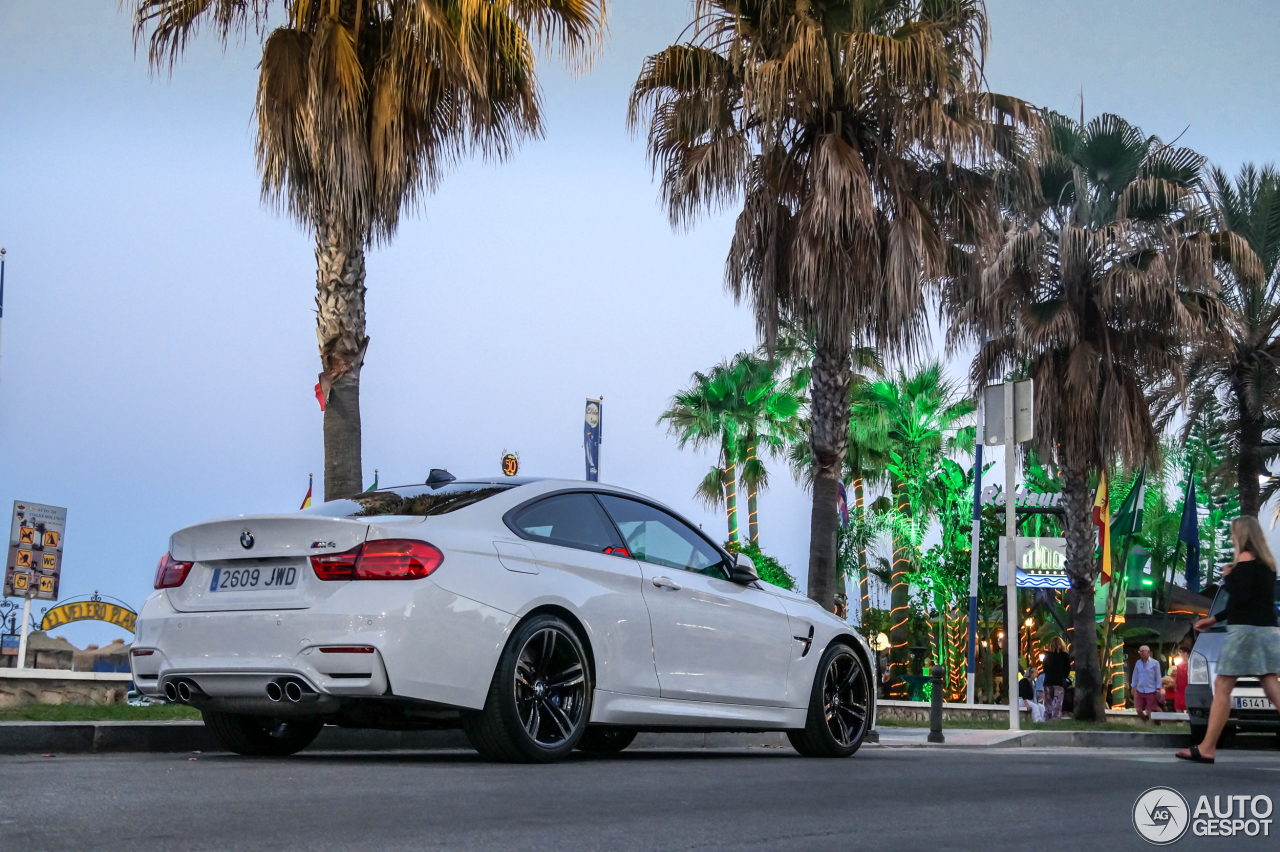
(920, 416)
(1105, 276)
(855, 133)
(746, 409)
(1238, 368)
(362, 107)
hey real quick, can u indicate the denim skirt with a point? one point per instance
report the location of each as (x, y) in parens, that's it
(1250, 650)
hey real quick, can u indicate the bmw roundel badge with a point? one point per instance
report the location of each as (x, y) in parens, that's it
(246, 539)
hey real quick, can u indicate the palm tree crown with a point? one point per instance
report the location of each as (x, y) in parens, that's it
(854, 132)
(1237, 369)
(362, 106)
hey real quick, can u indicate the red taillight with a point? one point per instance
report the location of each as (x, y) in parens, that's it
(170, 572)
(336, 566)
(388, 559)
(143, 652)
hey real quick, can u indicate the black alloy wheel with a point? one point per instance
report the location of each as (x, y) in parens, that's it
(549, 680)
(839, 707)
(540, 698)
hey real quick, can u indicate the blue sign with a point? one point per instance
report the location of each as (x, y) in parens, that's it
(591, 439)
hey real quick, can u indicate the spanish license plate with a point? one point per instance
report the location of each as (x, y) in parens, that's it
(1254, 704)
(259, 579)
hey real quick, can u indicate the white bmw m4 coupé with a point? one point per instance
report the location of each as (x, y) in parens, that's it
(539, 616)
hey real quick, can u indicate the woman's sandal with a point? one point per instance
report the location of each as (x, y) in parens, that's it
(1194, 756)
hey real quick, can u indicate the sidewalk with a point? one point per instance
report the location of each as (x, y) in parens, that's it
(962, 738)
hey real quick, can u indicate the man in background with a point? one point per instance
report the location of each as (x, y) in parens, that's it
(1145, 684)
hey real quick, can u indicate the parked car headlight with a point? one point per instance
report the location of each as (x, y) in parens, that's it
(1197, 668)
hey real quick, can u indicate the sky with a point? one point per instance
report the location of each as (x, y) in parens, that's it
(158, 355)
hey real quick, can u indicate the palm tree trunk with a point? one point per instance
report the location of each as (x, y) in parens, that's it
(899, 607)
(730, 474)
(340, 326)
(1249, 461)
(828, 440)
(860, 505)
(753, 522)
(1082, 569)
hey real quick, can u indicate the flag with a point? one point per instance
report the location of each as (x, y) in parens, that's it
(592, 437)
(1189, 532)
(1128, 520)
(374, 486)
(1102, 517)
(320, 396)
(306, 501)
(842, 504)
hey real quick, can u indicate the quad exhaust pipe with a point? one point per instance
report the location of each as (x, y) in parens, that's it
(291, 690)
(183, 691)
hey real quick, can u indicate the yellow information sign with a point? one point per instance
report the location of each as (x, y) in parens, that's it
(90, 611)
(21, 581)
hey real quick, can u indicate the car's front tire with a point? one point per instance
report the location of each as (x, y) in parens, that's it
(539, 700)
(606, 740)
(839, 706)
(257, 736)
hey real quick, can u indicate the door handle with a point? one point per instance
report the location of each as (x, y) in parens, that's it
(666, 581)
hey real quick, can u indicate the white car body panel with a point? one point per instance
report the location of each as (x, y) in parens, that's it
(713, 654)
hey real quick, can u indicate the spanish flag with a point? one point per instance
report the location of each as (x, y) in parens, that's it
(306, 501)
(1102, 518)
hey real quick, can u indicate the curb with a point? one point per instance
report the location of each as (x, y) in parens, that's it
(172, 737)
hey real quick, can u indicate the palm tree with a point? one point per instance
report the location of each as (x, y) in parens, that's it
(1102, 280)
(1239, 368)
(741, 407)
(852, 130)
(362, 107)
(920, 416)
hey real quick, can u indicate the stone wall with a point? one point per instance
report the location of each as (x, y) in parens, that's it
(889, 711)
(16, 690)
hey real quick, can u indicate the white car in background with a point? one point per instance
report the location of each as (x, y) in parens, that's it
(539, 616)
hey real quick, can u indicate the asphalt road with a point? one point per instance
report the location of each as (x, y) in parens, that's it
(896, 799)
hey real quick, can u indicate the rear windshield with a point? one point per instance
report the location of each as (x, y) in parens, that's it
(416, 500)
(1220, 600)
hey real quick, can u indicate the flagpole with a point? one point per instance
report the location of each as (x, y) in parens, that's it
(2, 252)
(971, 675)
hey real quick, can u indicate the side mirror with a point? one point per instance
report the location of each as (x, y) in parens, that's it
(743, 571)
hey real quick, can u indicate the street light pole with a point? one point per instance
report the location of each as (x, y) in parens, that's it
(1011, 558)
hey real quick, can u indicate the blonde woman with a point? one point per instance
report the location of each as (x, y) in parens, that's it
(1056, 667)
(1252, 647)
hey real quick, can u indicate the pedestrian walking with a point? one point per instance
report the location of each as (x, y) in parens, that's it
(1057, 665)
(1252, 648)
(1145, 684)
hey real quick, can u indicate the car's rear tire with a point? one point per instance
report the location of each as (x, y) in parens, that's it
(539, 700)
(839, 706)
(606, 740)
(258, 736)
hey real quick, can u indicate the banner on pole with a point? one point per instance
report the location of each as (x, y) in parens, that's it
(1041, 562)
(591, 437)
(34, 565)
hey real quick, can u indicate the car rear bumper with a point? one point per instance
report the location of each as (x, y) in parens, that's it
(1200, 699)
(426, 643)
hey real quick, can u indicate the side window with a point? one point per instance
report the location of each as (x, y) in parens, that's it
(659, 538)
(569, 520)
